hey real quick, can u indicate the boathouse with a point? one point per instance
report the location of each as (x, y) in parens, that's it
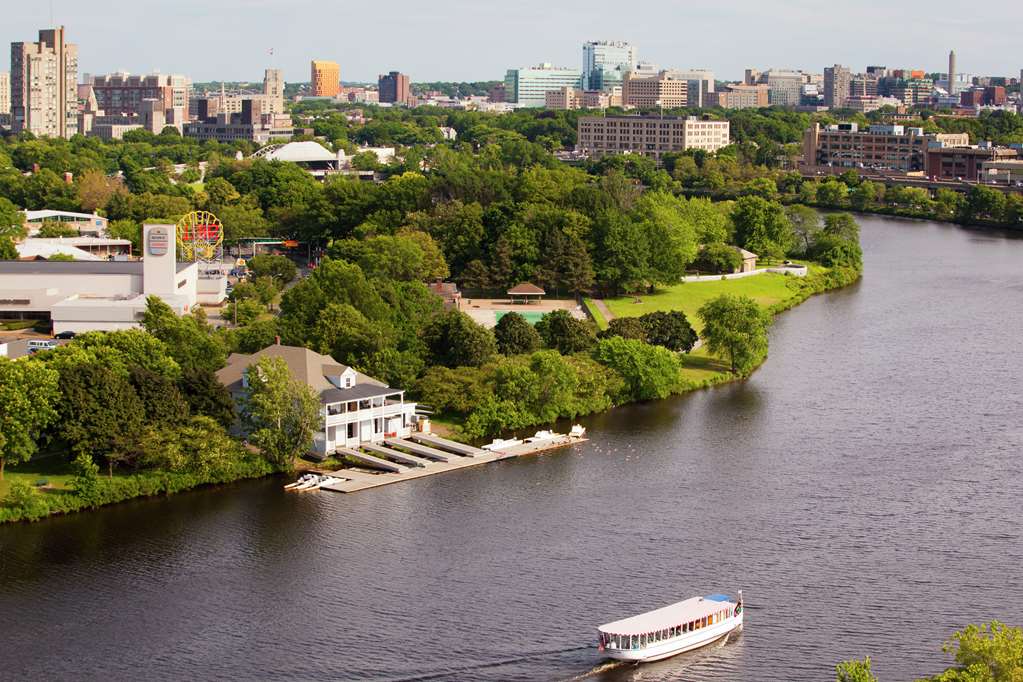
(354, 408)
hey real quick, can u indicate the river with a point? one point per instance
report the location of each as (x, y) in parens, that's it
(862, 488)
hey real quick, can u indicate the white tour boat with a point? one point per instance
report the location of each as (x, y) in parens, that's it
(671, 630)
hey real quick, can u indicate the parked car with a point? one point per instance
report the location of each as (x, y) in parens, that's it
(36, 345)
(65, 335)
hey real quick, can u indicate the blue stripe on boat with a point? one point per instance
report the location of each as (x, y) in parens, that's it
(718, 597)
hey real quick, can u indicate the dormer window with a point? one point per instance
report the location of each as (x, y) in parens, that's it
(348, 382)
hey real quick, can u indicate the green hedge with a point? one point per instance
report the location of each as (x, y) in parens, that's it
(24, 503)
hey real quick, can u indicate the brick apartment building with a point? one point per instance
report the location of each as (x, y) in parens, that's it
(649, 135)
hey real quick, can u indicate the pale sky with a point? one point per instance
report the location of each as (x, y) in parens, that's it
(479, 40)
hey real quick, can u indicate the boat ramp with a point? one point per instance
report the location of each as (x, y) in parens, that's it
(404, 459)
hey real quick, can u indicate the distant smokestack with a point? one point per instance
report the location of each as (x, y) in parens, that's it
(952, 72)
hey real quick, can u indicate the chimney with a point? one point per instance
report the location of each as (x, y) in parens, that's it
(277, 340)
(69, 178)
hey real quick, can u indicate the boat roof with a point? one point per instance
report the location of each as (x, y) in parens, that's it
(668, 616)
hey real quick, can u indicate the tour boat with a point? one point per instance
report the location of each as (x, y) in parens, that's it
(671, 630)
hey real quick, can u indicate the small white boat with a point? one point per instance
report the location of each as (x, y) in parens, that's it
(671, 630)
(304, 478)
(501, 443)
(311, 484)
(542, 436)
(327, 480)
(577, 431)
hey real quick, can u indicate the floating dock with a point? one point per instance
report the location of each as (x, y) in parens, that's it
(432, 455)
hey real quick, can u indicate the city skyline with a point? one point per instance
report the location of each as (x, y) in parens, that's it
(914, 35)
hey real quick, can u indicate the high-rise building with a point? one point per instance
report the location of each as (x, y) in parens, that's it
(662, 90)
(740, 97)
(273, 90)
(120, 94)
(325, 79)
(394, 87)
(44, 85)
(605, 63)
(529, 87)
(699, 84)
(5, 93)
(837, 81)
(784, 88)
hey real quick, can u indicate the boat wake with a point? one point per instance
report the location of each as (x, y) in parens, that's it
(602, 668)
(447, 674)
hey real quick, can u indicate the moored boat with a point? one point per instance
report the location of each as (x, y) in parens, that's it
(671, 630)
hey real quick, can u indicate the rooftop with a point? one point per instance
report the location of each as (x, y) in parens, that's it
(78, 267)
(44, 214)
(305, 365)
(526, 289)
(668, 616)
(296, 152)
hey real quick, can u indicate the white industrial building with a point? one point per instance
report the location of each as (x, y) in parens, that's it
(83, 296)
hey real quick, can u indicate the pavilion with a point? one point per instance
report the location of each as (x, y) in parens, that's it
(525, 293)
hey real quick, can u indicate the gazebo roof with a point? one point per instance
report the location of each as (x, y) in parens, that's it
(526, 289)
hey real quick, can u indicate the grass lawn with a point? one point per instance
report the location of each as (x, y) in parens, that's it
(53, 468)
(700, 366)
(766, 289)
(595, 313)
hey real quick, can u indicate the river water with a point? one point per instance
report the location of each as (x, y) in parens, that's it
(862, 488)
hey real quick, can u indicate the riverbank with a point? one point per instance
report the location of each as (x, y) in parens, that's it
(49, 486)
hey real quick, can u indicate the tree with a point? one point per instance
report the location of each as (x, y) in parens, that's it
(843, 226)
(854, 671)
(515, 335)
(101, 413)
(455, 340)
(625, 327)
(346, 334)
(188, 337)
(806, 223)
(279, 412)
(8, 251)
(717, 258)
(992, 652)
(735, 327)
(206, 396)
(126, 229)
(11, 220)
(29, 395)
(649, 372)
(51, 229)
(95, 190)
(670, 330)
(162, 402)
(762, 227)
(564, 333)
(281, 268)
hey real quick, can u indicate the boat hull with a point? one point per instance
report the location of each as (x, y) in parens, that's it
(679, 645)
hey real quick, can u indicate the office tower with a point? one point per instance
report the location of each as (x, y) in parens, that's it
(837, 81)
(44, 85)
(605, 63)
(325, 79)
(5, 93)
(662, 90)
(700, 84)
(952, 72)
(121, 94)
(529, 87)
(394, 88)
(273, 90)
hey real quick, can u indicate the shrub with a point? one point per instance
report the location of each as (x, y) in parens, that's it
(717, 258)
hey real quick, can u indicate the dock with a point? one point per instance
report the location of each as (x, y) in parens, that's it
(432, 455)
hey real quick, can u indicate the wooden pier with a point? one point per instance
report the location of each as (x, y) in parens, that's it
(430, 455)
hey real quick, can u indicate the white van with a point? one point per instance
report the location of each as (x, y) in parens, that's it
(36, 345)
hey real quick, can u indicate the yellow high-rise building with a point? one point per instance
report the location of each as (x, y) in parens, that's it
(325, 80)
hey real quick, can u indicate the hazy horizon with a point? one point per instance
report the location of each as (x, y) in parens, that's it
(459, 40)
